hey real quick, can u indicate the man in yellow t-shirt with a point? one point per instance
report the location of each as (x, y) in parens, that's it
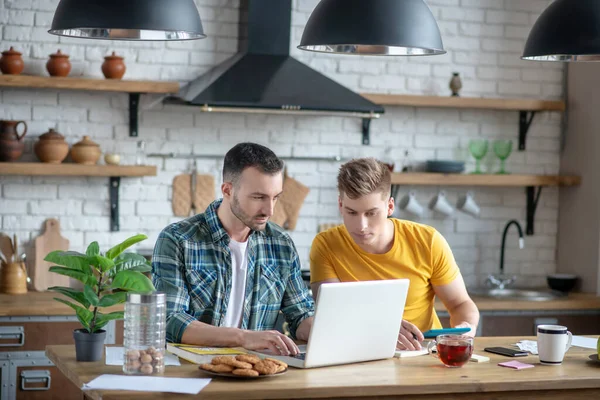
(372, 246)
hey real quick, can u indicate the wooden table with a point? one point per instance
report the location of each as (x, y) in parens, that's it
(417, 378)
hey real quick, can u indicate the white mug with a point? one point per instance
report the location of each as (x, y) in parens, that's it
(410, 204)
(467, 204)
(553, 341)
(440, 204)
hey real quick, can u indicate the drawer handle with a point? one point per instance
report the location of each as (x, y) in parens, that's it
(12, 332)
(35, 376)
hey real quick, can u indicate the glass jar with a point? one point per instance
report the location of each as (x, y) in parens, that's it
(144, 334)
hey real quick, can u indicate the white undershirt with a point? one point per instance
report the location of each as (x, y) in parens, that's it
(239, 264)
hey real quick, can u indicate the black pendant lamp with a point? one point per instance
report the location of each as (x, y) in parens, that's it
(568, 30)
(372, 27)
(128, 20)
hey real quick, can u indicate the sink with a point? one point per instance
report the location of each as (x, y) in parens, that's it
(518, 294)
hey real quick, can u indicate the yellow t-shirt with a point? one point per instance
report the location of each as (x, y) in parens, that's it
(419, 253)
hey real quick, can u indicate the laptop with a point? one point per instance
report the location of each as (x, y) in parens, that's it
(354, 322)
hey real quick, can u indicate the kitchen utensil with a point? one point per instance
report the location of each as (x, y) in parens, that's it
(6, 247)
(24, 261)
(51, 147)
(292, 198)
(11, 62)
(502, 149)
(13, 278)
(182, 201)
(113, 67)
(446, 167)
(58, 64)
(193, 180)
(562, 282)
(49, 241)
(478, 149)
(86, 151)
(279, 216)
(11, 143)
(4, 260)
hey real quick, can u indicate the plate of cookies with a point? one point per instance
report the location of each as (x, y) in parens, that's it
(244, 366)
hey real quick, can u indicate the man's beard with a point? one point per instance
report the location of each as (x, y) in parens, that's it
(247, 220)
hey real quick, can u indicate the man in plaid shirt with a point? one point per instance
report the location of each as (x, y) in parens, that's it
(229, 271)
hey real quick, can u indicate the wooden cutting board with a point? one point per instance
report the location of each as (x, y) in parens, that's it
(50, 240)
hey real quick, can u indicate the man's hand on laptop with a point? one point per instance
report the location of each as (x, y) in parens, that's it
(275, 341)
(410, 337)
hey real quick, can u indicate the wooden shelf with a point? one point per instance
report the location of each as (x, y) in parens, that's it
(100, 85)
(465, 102)
(44, 169)
(435, 179)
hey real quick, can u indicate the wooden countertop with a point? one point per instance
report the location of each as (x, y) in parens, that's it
(37, 303)
(410, 378)
(43, 303)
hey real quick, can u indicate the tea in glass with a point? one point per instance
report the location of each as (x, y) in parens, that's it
(452, 350)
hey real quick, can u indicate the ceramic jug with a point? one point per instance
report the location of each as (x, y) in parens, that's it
(13, 278)
(11, 143)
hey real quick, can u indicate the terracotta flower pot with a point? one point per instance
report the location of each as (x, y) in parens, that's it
(85, 152)
(51, 147)
(113, 67)
(58, 64)
(11, 62)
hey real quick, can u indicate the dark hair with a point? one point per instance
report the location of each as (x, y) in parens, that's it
(245, 155)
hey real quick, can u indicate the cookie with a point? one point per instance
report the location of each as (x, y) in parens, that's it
(278, 362)
(227, 360)
(265, 367)
(245, 372)
(249, 358)
(220, 368)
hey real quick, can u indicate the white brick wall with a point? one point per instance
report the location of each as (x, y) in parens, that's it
(484, 39)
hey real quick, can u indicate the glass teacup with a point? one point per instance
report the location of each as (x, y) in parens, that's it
(452, 350)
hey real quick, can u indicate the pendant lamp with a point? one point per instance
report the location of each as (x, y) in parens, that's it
(568, 30)
(128, 20)
(372, 27)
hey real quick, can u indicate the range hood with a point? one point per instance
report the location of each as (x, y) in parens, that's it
(263, 78)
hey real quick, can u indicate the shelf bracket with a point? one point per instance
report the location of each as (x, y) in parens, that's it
(113, 191)
(134, 105)
(525, 119)
(532, 202)
(366, 131)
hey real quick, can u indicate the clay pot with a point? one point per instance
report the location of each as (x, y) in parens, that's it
(51, 147)
(11, 143)
(11, 62)
(113, 67)
(85, 152)
(58, 64)
(112, 159)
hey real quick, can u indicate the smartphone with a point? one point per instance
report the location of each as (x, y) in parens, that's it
(432, 333)
(506, 352)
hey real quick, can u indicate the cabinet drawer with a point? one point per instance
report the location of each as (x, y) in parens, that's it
(4, 379)
(44, 382)
(32, 336)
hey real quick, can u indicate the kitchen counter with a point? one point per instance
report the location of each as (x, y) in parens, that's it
(43, 303)
(420, 378)
(38, 303)
(574, 301)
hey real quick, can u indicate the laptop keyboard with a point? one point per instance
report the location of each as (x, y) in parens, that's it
(299, 356)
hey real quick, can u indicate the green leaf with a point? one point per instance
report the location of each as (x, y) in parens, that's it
(132, 281)
(93, 249)
(90, 295)
(82, 277)
(70, 259)
(84, 316)
(101, 263)
(118, 249)
(133, 262)
(112, 299)
(103, 319)
(73, 294)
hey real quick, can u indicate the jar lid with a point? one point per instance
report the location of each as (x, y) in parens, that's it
(113, 56)
(141, 298)
(11, 52)
(59, 54)
(52, 135)
(86, 142)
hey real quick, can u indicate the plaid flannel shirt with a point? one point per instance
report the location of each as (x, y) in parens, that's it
(192, 265)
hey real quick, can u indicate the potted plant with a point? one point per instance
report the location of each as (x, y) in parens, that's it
(106, 280)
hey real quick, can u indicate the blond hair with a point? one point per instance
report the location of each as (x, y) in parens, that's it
(363, 176)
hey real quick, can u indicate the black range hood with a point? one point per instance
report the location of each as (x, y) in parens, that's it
(264, 78)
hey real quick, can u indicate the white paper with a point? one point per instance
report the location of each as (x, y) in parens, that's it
(585, 342)
(115, 356)
(147, 384)
(528, 345)
(410, 353)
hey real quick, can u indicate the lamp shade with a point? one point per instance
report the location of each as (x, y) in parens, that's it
(128, 20)
(566, 31)
(372, 27)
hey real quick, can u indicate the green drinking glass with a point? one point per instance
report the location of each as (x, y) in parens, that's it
(478, 149)
(502, 149)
